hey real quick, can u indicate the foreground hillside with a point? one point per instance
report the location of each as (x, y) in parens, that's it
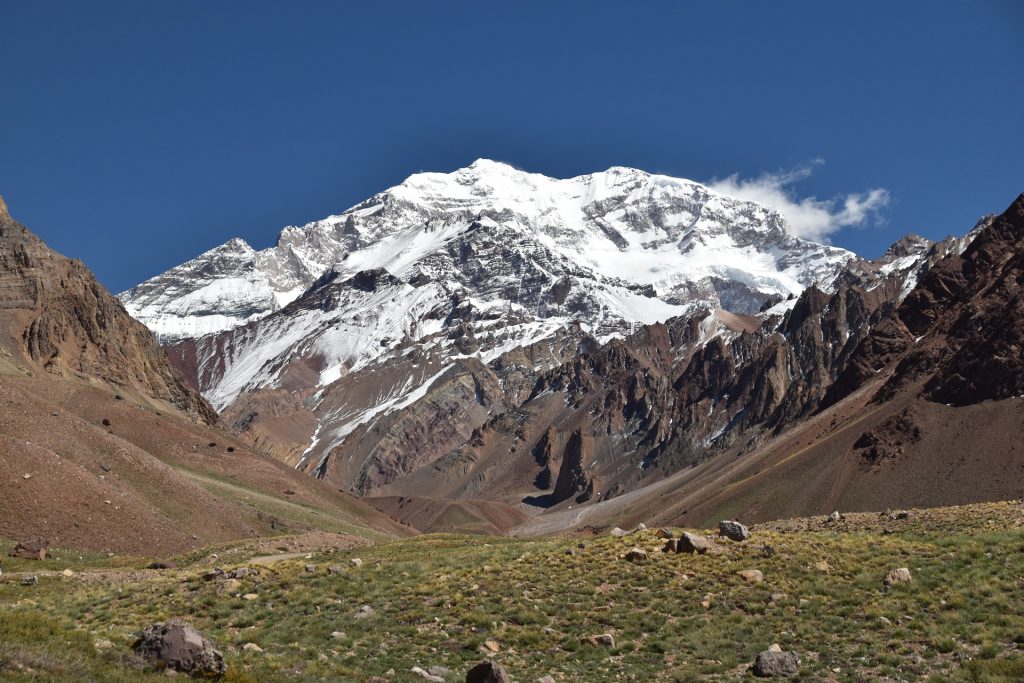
(103, 446)
(450, 602)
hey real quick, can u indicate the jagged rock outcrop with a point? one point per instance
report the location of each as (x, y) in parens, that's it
(58, 319)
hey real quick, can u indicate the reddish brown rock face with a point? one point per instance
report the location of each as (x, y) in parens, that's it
(58, 319)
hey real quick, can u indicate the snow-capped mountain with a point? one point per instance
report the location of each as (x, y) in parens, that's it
(429, 290)
(658, 243)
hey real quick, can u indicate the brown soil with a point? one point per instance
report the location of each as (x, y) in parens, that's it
(433, 515)
(149, 482)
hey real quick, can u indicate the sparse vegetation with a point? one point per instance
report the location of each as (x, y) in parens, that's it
(436, 600)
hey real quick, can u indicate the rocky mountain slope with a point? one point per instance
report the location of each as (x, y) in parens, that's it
(495, 335)
(58, 319)
(409, 298)
(104, 446)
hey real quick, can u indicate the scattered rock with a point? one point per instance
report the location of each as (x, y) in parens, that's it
(105, 467)
(640, 527)
(364, 611)
(178, 646)
(545, 679)
(106, 422)
(26, 476)
(356, 562)
(488, 672)
(900, 575)
(67, 573)
(252, 647)
(426, 675)
(603, 640)
(229, 586)
(823, 566)
(337, 635)
(751, 575)
(214, 573)
(492, 645)
(665, 532)
(671, 546)
(693, 543)
(250, 596)
(835, 517)
(103, 644)
(31, 550)
(733, 530)
(310, 568)
(769, 664)
(162, 565)
(618, 533)
(29, 580)
(636, 555)
(335, 569)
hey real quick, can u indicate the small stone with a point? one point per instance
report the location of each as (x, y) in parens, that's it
(822, 566)
(616, 532)
(751, 575)
(364, 611)
(103, 644)
(335, 569)
(733, 530)
(249, 596)
(30, 580)
(252, 647)
(337, 635)
(636, 555)
(769, 664)
(67, 573)
(665, 532)
(641, 527)
(671, 546)
(356, 562)
(26, 476)
(488, 672)
(545, 679)
(777, 597)
(885, 621)
(899, 575)
(310, 568)
(603, 640)
(492, 645)
(229, 586)
(693, 543)
(835, 517)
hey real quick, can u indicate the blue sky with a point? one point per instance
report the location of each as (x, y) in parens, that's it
(136, 135)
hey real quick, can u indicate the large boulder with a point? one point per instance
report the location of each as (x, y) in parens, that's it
(31, 550)
(771, 663)
(176, 645)
(899, 575)
(487, 672)
(733, 530)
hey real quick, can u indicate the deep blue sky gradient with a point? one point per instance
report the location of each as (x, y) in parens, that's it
(134, 135)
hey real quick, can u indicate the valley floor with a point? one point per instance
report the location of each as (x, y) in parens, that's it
(451, 601)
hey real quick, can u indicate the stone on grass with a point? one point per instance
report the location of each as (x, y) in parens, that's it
(665, 532)
(545, 679)
(636, 555)
(252, 647)
(177, 646)
(751, 575)
(603, 640)
(29, 580)
(733, 530)
(671, 546)
(356, 562)
(31, 550)
(618, 533)
(693, 543)
(488, 672)
(899, 575)
(492, 645)
(335, 569)
(769, 664)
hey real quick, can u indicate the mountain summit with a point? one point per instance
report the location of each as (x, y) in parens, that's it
(620, 246)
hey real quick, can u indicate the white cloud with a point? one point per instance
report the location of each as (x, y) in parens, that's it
(807, 217)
